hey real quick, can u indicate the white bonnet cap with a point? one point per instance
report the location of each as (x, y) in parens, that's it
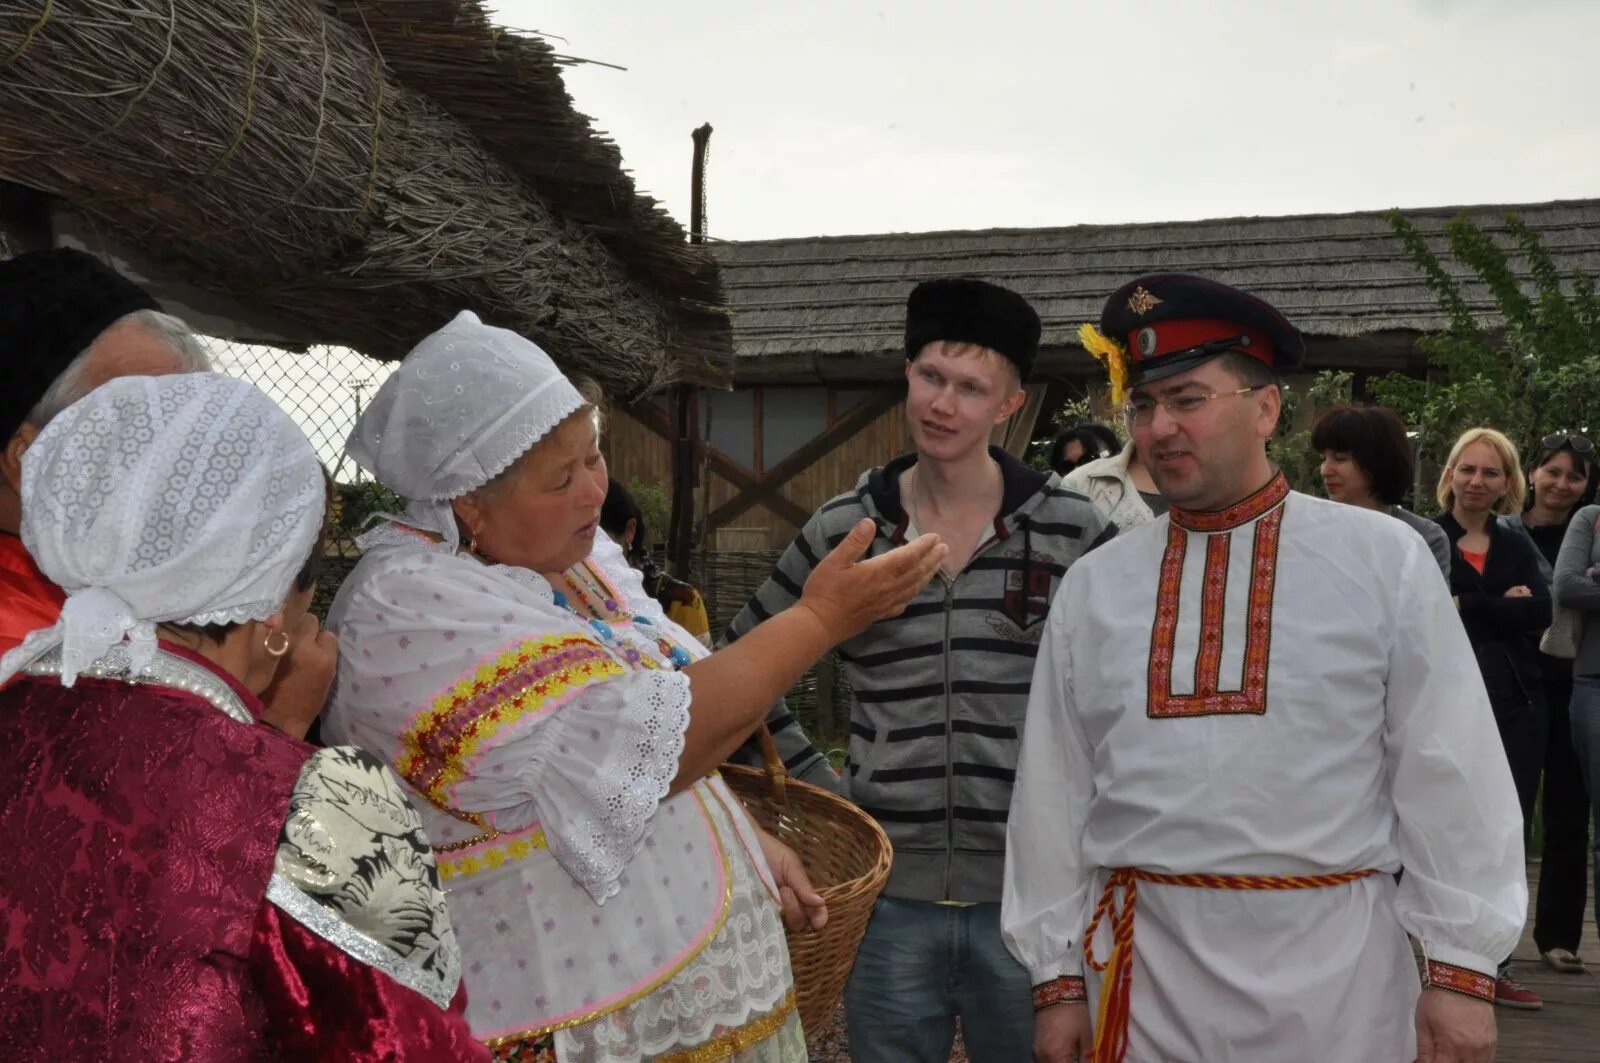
(464, 404)
(188, 499)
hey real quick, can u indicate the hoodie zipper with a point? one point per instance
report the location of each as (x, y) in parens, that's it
(949, 718)
(868, 503)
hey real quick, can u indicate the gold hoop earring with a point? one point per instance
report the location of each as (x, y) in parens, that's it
(281, 649)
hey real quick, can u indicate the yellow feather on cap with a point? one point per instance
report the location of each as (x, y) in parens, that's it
(1109, 352)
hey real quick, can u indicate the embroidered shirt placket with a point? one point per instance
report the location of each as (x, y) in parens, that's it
(1213, 615)
(1208, 698)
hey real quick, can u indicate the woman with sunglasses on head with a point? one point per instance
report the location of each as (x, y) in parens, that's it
(1504, 604)
(1564, 481)
(1081, 444)
(1561, 480)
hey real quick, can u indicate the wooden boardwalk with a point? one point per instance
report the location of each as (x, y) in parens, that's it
(1568, 1029)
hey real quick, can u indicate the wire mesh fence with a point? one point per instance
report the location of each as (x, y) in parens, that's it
(324, 389)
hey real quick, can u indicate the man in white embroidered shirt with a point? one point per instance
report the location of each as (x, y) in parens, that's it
(1246, 716)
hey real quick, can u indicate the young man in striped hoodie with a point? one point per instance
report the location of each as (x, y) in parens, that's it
(939, 693)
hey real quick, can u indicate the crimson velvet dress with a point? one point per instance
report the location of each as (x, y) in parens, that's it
(182, 882)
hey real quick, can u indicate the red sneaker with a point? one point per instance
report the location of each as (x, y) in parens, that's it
(1510, 993)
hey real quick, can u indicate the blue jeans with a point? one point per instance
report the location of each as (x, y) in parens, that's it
(921, 966)
(1586, 743)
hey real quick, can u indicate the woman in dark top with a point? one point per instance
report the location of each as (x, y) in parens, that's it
(1505, 605)
(1561, 480)
(1367, 461)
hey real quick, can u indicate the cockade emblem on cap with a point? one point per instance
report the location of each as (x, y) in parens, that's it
(1141, 302)
(1146, 338)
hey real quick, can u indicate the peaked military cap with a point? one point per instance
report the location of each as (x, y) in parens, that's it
(1171, 322)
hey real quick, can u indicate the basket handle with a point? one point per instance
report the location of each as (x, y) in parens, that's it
(777, 774)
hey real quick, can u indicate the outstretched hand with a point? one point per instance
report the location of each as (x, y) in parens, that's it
(849, 594)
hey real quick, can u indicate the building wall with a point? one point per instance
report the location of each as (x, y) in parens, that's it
(759, 426)
(635, 452)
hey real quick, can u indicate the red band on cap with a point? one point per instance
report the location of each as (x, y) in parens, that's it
(1161, 338)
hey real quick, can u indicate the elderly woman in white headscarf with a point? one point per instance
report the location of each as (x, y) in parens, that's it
(612, 900)
(182, 881)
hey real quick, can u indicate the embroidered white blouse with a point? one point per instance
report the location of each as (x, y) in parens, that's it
(541, 747)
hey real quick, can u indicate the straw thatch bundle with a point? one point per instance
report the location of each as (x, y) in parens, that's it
(480, 74)
(262, 149)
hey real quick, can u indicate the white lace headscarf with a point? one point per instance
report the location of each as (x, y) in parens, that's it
(188, 499)
(464, 404)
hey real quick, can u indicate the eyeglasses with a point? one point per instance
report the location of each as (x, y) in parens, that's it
(1140, 411)
(1578, 444)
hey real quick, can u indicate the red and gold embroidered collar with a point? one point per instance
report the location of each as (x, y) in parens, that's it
(1243, 512)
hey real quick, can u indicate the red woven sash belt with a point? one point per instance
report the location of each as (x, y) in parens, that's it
(1111, 1020)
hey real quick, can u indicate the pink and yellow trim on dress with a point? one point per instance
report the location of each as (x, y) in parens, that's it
(530, 678)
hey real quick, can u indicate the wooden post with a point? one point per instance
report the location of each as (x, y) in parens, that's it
(685, 459)
(685, 402)
(697, 184)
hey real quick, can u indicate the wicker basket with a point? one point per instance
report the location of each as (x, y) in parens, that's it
(846, 855)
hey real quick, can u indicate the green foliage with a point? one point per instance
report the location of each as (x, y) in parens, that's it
(1291, 446)
(355, 502)
(655, 505)
(1533, 376)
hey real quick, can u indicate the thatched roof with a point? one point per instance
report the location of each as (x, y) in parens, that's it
(357, 169)
(834, 307)
(507, 89)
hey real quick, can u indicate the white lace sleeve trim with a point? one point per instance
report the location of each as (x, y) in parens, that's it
(595, 843)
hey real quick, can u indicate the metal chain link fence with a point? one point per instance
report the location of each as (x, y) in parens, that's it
(324, 389)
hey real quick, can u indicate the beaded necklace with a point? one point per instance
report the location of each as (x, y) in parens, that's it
(613, 608)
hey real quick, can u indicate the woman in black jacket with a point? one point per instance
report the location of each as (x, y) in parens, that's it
(1561, 481)
(1505, 605)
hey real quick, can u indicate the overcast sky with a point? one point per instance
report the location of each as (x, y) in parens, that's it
(849, 116)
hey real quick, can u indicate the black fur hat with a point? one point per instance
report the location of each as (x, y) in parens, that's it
(973, 311)
(53, 304)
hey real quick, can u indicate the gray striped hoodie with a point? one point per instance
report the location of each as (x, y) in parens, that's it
(939, 693)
